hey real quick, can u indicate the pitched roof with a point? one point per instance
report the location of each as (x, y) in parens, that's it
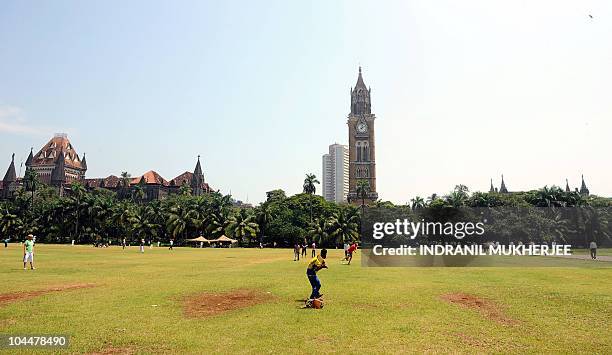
(109, 182)
(30, 158)
(184, 178)
(11, 175)
(50, 153)
(150, 178)
(360, 82)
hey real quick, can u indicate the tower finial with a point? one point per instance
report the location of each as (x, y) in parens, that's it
(360, 69)
(198, 157)
(13, 157)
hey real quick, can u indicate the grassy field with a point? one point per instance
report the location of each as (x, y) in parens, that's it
(136, 304)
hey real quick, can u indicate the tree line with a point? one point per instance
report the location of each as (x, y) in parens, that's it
(100, 215)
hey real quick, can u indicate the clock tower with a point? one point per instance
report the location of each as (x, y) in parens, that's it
(362, 148)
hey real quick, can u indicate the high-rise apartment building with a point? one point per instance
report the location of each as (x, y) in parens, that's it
(335, 175)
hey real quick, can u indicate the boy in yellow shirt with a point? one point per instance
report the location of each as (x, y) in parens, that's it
(317, 263)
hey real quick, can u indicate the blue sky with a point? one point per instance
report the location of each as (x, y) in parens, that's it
(463, 91)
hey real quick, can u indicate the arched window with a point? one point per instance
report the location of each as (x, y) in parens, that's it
(358, 150)
(366, 151)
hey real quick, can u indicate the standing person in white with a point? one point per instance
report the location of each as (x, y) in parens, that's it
(28, 252)
(142, 245)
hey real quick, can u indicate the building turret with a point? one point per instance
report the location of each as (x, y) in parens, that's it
(9, 182)
(84, 162)
(197, 180)
(491, 189)
(360, 97)
(502, 188)
(11, 175)
(583, 188)
(28, 162)
(567, 188)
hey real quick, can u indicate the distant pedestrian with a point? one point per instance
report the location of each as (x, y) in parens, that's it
(304, 247)
(171, 244)
(313, 253)
(142, 245)
(6, 242)
(28, 252)
(73, 242)
(123, 243)
(593, 247)
(346, 246)
(296, 252)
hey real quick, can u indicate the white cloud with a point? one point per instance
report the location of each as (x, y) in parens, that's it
(13, 120)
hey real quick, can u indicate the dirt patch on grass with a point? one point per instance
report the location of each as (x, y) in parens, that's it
(113, 350)
(6, 298)
(487, 308)
(210, 304)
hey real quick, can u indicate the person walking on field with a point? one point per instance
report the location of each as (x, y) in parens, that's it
(296, 252)
(317, 263)
(314, 250)
(171, 244)
(593, 247)
(123, 243)
(28, 252)
(304, 247)
(142, 245)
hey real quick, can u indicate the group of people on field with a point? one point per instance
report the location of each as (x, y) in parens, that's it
(302, 250)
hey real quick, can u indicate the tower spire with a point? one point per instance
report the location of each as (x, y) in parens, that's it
(11, 174)
(197, 180)
(583, 188)
(567, 189)
(502, 188)
(360, 97)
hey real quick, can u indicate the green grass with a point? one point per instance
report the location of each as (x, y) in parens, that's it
(558, 310)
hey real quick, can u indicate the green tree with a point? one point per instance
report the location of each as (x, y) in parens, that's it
(31, 182)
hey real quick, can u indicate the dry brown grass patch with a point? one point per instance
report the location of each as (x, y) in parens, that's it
(487, 308)
(113, 350)
(211, 304)
(6, 298)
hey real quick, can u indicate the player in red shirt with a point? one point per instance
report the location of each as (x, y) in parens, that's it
(349, 253)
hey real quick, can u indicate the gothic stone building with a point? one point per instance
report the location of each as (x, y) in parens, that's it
(57, 164)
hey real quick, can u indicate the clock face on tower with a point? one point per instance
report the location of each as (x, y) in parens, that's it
(362, 127)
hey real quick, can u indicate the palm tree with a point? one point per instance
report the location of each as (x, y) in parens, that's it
(319, 230)
(180, 219)
(140, 224)
(310, 188)
(362, 189)
(77, 194)
(10, 224)
(309, 184)
(417, 203)
(242, 226)
(185, 190)
(263, 217)
(31, 182)
(138, 194)
(344, 227)
(126, 178)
